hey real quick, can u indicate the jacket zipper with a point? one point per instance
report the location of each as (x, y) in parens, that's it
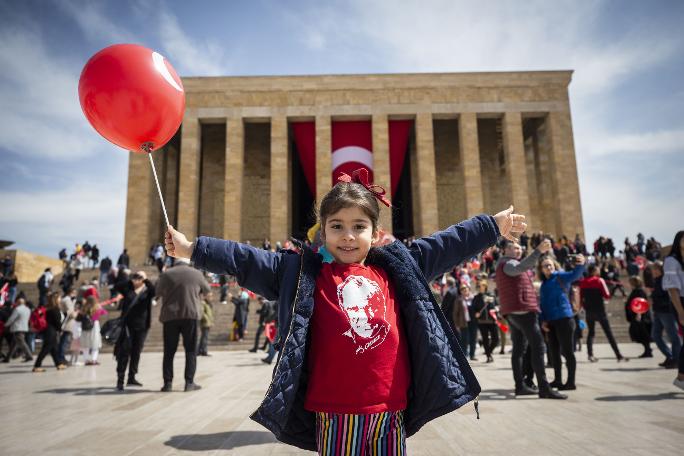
(289, 332)
(417, 270)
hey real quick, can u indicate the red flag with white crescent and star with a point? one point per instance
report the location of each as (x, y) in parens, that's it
(352, 148)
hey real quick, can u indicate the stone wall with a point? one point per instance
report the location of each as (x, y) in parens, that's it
(449, 166)
(481, 116)
(256, 184)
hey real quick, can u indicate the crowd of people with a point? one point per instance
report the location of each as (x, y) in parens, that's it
(468, 298)
(548, 292)
(67, 317)
(538, 292)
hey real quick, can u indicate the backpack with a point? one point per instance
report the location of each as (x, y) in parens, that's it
(86, 322)
(37, 321)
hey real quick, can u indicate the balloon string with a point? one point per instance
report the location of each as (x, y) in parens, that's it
(156, 181)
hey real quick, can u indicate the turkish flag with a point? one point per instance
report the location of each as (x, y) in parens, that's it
(352, 148)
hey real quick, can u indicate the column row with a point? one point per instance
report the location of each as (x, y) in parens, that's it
(425, 201)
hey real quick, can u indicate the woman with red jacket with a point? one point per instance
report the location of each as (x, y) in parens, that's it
(593, 290)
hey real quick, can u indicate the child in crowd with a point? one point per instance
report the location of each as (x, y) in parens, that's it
(91, 340)
(486, 308)
(75, 347)
(362, 344)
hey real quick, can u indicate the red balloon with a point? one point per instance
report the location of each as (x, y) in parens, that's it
(132, 96)
(639, 305)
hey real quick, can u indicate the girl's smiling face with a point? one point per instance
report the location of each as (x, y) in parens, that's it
(348, 235)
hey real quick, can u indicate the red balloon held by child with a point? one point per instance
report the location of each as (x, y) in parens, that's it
(132, 96)
(639, 305)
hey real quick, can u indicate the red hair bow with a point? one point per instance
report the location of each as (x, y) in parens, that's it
(360, 176)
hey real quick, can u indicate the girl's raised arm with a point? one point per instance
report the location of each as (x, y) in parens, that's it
(255, 269)
(438, 253)
(441, 251)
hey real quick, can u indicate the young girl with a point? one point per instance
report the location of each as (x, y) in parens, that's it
(484, 303)
(366, 358)
(91, 340)
(75, 327)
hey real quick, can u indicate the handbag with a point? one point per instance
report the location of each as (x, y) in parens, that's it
(86, 322)
(112, 329)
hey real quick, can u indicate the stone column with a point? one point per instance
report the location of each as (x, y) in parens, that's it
(156, 216)
(232, 198)
(170, 179)
(470, 164)
(516, 169)
(280, 217)
(323, 158)
(381, 165)
(188, 181)
(138, 206)
(427, 220)
(564, 167)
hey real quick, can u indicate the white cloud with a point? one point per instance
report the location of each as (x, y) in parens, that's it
(95, 25)
(650, 142)
(39, 94)
(189, 56)
(193, 57)
(619, 206)
(86, 210)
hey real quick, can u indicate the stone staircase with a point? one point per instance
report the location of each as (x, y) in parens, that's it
(219, 337)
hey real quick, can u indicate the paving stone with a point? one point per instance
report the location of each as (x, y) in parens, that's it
(619, 408)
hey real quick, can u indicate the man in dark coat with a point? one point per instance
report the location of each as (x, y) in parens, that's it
(136, 307)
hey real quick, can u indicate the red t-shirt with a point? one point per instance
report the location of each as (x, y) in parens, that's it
(358, 361)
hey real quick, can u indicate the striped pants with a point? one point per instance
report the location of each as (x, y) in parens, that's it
(376, 434)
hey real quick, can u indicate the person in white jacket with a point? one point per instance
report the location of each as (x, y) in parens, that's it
(18, 324)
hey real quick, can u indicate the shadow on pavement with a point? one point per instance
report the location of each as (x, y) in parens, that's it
(95, 391)
(642, 397)
(220, 440)
(631, 369)
(497, 394)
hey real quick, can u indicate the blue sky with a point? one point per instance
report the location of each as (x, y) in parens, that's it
(61, 183)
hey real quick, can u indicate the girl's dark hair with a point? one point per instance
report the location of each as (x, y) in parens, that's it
(676, 250)
(349, 194)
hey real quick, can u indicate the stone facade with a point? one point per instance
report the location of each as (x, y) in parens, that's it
(480, 142)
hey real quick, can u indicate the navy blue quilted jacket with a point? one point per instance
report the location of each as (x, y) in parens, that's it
(441, 379)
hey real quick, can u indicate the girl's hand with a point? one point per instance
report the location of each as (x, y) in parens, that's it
(511, 225)
(176, 244)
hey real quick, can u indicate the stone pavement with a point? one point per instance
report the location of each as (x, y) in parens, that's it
(626, 409)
